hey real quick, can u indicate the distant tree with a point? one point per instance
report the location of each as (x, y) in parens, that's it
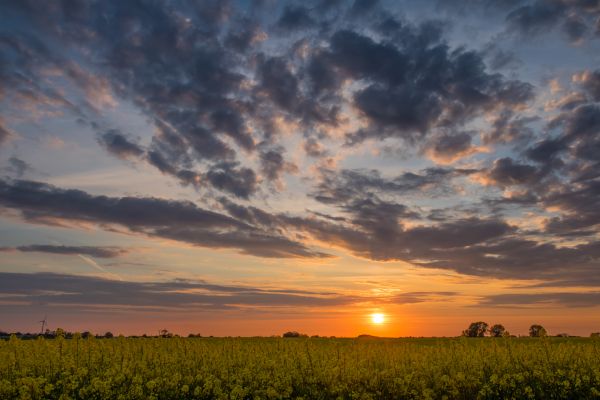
(498, 330)
(563, 335)
(595, 334)
(537, 331)
(293, 334)
(476, 329)
(60, 332)
(86, 334)
(165, 333)
(109, 335)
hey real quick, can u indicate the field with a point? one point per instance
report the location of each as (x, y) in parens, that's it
(303, 368)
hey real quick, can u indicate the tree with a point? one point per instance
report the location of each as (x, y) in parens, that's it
(476, 329)
(595, 334)
(537, 331)
(498, 330)
(108, 335)
(165, 333)
(293, 334)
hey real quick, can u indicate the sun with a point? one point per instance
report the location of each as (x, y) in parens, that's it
(377, 318)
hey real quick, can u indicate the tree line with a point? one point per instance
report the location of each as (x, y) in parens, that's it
(475, 329)
(481, 329)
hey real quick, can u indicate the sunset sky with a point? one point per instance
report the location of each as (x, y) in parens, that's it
(253, 167)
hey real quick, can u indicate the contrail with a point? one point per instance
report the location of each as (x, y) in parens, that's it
(98, 266)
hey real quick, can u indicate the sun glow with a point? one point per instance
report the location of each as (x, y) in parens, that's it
(377, 318)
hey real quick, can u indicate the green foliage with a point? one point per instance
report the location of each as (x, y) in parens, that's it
(304, 368)
(476, 329)
(537, 331)
(498, 330)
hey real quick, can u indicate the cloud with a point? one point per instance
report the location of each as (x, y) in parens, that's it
(448, 148)
(80, 292)
(241, 182)
(423, 297)
(373, 229)
(508, 128)
(537, 17)
(18, 167)
(507, 172)
(590, 82)
(273, 164)
(575, 28)
(119, 145)
(93, 251)
(5, 133)
(567, 299)
(178, 220)
(295, 17)
(341, 186)
(228, 91)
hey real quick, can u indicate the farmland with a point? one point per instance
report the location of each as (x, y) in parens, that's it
(300, 368)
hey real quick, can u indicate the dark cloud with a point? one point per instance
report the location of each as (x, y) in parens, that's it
(81, 291)
(507, 172)
(546, 150)
(455, 234)
(362, 7)
(177, 220)
(568, 299)
(462, 6)
(93, 251)
(4, 132)
(537, 17)
(583, 121)
(579, 206)
(448, 147)
(229, 177)
(340, 186)
(575, 28)
(591, 84)
(18, 167)
(407, 109)
(508, 127)
(542, 16)
(119, 145)
(295, 17)
(273, 164)
(279, 83)
(243, 37)
(419, 83)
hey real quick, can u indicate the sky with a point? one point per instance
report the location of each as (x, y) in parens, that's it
(241, 168)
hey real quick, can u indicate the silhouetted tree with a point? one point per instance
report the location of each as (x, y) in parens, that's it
(293, 334)
(498, 330)
(165, 333)
(537, 331)
(109, 335)
(595, 334)
(476, 329)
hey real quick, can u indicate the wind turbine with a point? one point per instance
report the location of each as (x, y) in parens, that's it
(44, 323)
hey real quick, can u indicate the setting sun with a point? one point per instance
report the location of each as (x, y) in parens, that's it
(377, 318)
